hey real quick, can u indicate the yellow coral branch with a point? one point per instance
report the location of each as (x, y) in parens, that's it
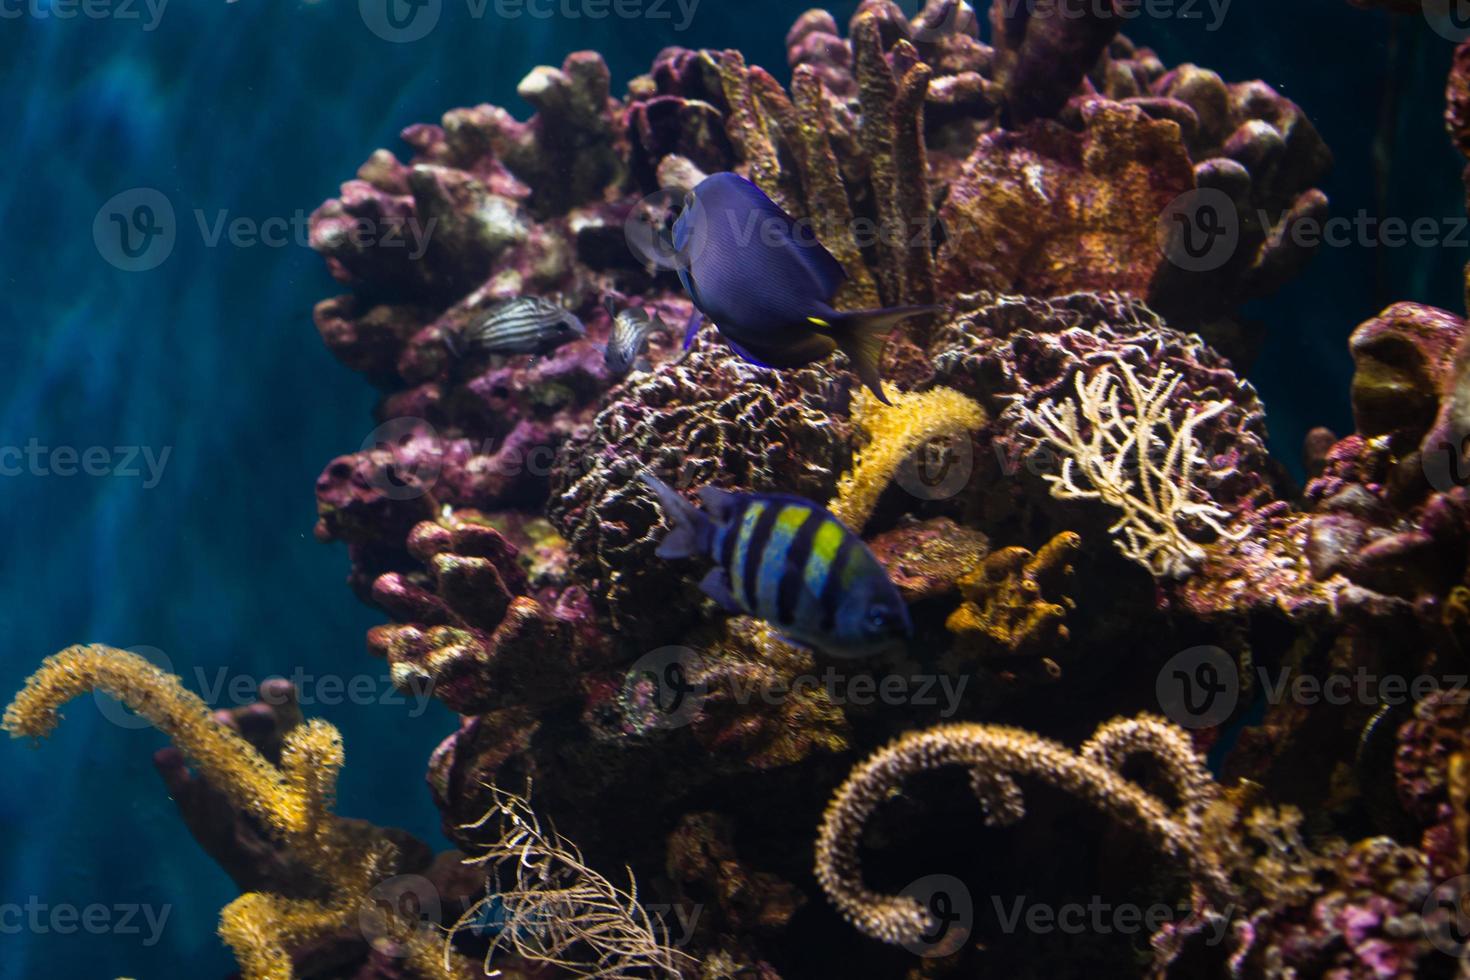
(896, 430)
(995, 755)
(224, 758)
(294, 801)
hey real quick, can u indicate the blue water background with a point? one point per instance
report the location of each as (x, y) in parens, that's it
(260, 108)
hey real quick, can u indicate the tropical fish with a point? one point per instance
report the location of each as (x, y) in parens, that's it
(768, 286)
(523, 325)
(629, 337)
(786, 560)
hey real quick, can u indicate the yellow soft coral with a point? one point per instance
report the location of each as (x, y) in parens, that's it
(896, 430)
(294, 802)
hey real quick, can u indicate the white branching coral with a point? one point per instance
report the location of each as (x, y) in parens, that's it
(545, 905)
(1121, 444)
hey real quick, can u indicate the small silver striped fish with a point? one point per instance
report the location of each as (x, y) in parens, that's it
(628, 338)
(523, 325)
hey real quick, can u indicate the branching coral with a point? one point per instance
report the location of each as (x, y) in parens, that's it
(996, 755)
(1135, 456)
(294, 802)
(548, 907)
(895, 431)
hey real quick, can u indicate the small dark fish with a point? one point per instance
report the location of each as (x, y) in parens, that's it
(768, 286)
(628, 338)
(523, 325)
(787, 561)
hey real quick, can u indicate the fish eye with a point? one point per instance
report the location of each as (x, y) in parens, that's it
(879, 618)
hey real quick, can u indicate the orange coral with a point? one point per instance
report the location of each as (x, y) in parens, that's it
(1011, 598)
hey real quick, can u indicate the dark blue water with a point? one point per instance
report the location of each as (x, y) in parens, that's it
(257, 110)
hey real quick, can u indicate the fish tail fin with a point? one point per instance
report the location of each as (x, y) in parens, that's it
(862, 334)
(690, 528)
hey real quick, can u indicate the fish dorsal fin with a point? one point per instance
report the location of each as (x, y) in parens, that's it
(720, 504)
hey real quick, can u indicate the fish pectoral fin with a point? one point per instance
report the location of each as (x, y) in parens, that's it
(716, 585)
(691, 329)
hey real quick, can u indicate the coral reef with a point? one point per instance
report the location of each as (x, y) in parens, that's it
(1071, 486)
(292, 802)
(708, 420)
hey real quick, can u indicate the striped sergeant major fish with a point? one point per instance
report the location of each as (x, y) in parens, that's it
(787, 561)
(523, 325)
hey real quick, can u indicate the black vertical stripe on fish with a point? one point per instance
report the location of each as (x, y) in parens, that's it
(832, 587)
(742, 520)
(728, 533)
(755, 550)
(793, 578)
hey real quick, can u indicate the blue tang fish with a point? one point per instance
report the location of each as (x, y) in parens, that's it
(768, 286)
(785, 560)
